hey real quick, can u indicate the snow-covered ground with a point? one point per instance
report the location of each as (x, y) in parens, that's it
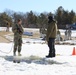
(34, 62)
(63, 64)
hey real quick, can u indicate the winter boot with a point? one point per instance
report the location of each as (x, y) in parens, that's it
(49, 55)
(53, 55)
(19, 54)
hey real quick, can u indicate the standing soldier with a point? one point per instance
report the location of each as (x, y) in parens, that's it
(66, 35)
(69, 33)
(18, 31)
(58, 37)
(51, 35)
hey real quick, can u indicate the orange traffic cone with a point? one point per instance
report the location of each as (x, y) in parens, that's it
(73, 53)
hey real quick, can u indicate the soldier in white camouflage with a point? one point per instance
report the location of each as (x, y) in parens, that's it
(18, 31)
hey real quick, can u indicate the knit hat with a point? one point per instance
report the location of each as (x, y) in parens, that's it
(50, 18)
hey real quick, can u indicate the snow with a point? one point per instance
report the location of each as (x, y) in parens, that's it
(35, 62)
(63, 64)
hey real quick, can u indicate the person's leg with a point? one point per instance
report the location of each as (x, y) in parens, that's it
(15, 45)
(53, 47)
(19, 46)
(19, 50)
(50, 48)
(15, 48)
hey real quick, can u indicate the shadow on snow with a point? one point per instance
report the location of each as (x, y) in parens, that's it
(33, 59)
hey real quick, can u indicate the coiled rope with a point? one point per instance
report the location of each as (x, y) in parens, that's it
(7, 52)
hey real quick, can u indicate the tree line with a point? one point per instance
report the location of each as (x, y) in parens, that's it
(37, 20)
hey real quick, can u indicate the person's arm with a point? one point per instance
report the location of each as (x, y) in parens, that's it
(20, 28)
(14, 29)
